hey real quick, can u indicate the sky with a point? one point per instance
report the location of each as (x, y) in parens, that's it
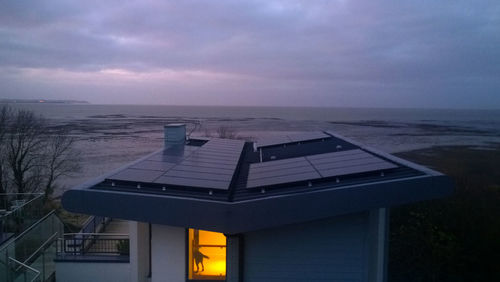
(335, 53)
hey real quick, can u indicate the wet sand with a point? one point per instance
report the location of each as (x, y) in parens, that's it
(109, 141)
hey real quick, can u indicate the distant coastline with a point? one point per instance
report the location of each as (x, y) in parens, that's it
(40, 101)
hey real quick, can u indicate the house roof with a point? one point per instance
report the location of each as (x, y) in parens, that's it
(233, 186)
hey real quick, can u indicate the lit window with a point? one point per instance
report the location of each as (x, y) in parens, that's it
(207, 255)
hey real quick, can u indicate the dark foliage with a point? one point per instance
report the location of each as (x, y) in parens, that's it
(453, 239)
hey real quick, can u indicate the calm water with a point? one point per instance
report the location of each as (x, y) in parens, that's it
(112, 135)
(61, 111)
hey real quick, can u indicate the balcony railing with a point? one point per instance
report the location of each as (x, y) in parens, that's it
(75, 245)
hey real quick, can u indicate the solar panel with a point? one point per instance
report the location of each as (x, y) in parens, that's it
(280, 171)
(216, 154)
(174, 154)
(290, 165)
(219, 147)
(198, 175)
(314, 167)
(337, 154)
(160, 157)
(209, 166)
(153, 165)
(200, 159)
(137, 175)
(347, 162)
(282, 179)
(279, 162)
(292, 138)
(211, 157)
(201, 183)
(356, 169)
(205, 167)
(219, 152)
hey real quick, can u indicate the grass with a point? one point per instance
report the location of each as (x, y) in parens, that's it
(453, 239)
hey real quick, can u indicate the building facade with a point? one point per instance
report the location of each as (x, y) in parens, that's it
(304, 207)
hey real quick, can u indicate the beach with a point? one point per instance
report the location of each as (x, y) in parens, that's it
(110, 136)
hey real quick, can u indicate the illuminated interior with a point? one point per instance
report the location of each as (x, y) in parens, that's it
(207, 255)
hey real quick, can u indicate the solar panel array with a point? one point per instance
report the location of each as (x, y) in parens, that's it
(291, 138)
(314, 167)
(209, 166)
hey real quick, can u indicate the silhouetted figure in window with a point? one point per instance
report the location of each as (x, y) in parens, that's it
(198, 258)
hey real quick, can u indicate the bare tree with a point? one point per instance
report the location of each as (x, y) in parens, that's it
(60, 158)
(32, 157)
(25, 141)
(207, 132)
(226, 132)
(4, 119)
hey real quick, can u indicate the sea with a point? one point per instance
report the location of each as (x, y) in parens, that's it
(110, 136)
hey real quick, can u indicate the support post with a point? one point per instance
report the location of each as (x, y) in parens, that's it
(234, 258)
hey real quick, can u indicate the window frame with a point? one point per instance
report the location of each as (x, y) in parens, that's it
(187, 261)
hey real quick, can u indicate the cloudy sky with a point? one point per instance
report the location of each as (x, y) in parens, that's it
(288, 53)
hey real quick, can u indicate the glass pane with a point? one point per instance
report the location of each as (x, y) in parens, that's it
(207, 255)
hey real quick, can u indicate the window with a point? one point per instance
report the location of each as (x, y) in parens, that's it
(207, 255)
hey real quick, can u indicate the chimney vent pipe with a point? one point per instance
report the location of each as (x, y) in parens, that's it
(175, 134)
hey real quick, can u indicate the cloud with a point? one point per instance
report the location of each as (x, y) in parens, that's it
(315, 50)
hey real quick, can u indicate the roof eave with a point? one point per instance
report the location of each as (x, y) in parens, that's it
(254, 214)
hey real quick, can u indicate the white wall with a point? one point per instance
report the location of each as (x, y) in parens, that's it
(92, 271)
(139, 251)
(378, 235)
(168, 247)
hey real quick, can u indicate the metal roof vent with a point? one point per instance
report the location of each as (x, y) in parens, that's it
(175, 134)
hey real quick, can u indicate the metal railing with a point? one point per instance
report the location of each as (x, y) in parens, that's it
(23, 271)
(34, 247)
(95, 224)
(18, 211)
(96, 244)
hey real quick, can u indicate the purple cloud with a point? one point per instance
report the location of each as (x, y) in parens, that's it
(331, 53)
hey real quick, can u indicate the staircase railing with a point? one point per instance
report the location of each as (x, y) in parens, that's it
(23, 270)
(34, 247)
(95, 224)
(19, 211)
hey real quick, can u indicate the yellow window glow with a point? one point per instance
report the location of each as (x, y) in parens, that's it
(207, 255)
